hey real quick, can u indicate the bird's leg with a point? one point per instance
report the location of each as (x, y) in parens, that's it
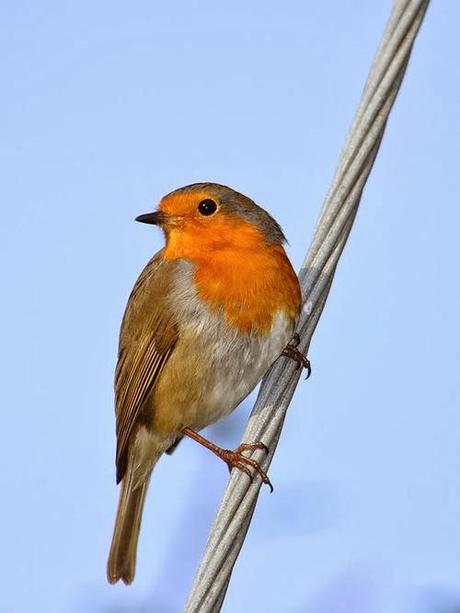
(233, 459)
(291, 351)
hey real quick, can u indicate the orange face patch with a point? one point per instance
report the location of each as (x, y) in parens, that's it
(186, 204)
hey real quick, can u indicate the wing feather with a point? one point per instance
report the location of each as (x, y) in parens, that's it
(147, 339)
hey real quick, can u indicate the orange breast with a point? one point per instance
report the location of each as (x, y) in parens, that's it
(239, 273)
(251, 289)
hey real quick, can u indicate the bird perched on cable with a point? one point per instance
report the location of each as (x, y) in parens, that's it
(207, 317)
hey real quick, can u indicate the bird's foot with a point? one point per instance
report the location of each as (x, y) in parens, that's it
(291, 351)
(235, 458)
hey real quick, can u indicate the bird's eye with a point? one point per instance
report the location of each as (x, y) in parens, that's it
(207, 207)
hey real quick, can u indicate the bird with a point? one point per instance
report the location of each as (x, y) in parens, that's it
(207, 317)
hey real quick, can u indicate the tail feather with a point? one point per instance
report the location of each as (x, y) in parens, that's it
(122, 558)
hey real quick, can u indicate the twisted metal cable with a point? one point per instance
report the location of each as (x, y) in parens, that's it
(333, 227)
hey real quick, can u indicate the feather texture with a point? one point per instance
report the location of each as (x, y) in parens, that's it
(147, 338)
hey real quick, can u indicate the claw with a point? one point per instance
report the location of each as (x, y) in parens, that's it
(252, 446)
(292, 352)
(246, 470)
(235, 459)
(240, 466)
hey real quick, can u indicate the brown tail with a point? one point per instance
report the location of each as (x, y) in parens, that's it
(122, 558)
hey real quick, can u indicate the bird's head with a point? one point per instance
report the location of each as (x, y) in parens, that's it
(204, 217)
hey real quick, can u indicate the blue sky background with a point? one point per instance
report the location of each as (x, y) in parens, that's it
(105, 107)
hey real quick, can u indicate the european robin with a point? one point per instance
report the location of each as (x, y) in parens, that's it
(207, 317)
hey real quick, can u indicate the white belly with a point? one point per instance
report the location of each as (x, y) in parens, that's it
(239, 373)
(234, 366)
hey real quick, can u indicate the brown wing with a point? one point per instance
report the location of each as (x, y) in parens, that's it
(147, 338)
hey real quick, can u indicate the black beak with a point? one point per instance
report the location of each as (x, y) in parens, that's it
(156, 219)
